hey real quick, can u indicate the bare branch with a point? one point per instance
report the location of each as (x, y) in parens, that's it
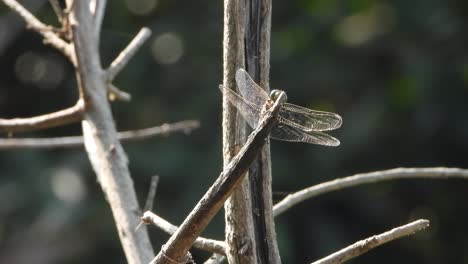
(151, 193)
(11, 25)
(115, 93)
(49, 36)
(119, 63)
(365, 245)
(57, 9)
(77, 141)
(62, 117)
(99, 15)
(179, 243)
(206, 244)
(365, 178)
(108, 159)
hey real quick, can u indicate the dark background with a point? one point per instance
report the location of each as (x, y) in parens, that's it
(396, 71)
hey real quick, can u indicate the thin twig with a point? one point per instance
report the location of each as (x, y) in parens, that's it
(115, 93)
(365, 245)
(49, 36)
(77, 141)
(210, 245)
(151, 194)
(179, 243)
(62, 117)
(57, 9)
(99, 15)
(365, 178)
(11, 25)
(119, 63)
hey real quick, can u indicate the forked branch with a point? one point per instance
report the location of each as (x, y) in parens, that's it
(121, 61)
(124, 57)
(47, 33)
(179, 243)
(365, 245)
(210, 245)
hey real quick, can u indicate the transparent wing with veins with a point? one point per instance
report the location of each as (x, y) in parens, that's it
(290, 114)
(250, 90)
(309, 120)
(290, 133)
(247, 109)
(295, 123)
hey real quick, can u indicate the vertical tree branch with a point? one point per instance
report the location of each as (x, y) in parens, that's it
(100, 8)
(240, 236)
(175, 250)
(250, 233)
(257, 54)
(100, 136)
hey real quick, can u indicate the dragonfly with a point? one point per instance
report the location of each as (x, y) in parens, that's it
(295, 123)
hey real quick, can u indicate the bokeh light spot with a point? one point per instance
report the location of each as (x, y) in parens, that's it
(141, 7)
(47, 72)
(68, 185)
(363, 26)
(30, 67)
(167, 48)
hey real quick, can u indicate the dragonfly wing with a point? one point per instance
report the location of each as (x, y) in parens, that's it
(307, 119)
(249, 89)
(289, 133)
(248, 110)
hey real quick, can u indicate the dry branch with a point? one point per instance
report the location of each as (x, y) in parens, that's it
(46, 31)
(151, 194)
(115, 93)
(100, 9)
(206, 244)
(57, 9)
(179, 243)
(77, 141)
(62, 117)
(365, 178)
(249, 231)
(119, 63)
(365, 245)
(102, 145)
(257, 63)
(239, 226)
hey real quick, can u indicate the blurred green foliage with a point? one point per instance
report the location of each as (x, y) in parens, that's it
(396, 71)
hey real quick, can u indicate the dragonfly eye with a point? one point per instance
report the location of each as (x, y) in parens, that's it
(274, 94)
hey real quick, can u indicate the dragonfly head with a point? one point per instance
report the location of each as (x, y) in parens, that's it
(275, 94)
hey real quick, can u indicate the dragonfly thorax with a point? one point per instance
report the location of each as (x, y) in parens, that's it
(275, 94)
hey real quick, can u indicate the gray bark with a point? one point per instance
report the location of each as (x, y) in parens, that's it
(240, 236)
(104, 150)
(250, 233)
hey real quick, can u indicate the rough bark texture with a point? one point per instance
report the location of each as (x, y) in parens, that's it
(257, 54)
(102, 145)
(240, 236)
(176, 248)
(250, 233)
